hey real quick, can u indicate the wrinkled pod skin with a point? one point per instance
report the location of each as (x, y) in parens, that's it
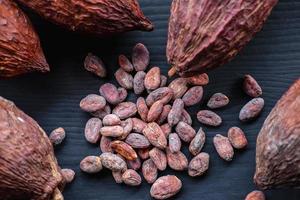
(28, 167)
(204, 34)
(99, 17)
(20, 49)
(278, 149)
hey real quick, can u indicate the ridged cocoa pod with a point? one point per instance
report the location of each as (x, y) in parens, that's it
(20, 48)
(205, 34)
(28, 167)
(101, 17)
(278, 149)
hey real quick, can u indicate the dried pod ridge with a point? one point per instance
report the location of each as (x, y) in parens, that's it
(206, 34)
(277, 149)
(21, 51)
(28, 167)
(101, 17)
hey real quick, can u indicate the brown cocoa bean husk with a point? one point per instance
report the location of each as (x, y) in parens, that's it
(142, 108)
(209, 118)
(91, 164)
(137, 141)
(149, 171)
(68, 175)
(197, 143)
(252, 109)
(189, 53)
(112, 131)
(163, 94)
(138, 125)
(185, 117)
(111, 120)
(125, 63)
(92, 130)
(166, 129)
(164, 114)
(155, 111)
(124, 79)
(277, 146)
(185, 131)
(112, 161)
(218, 100)
(124, 150)
(138, 82)
(198, 79)
(92, 103)
(140, 57)
(199, 165)
(155, 135)
(159, 158)
(177, 160)
(95, 65)
(102, 113)
(152, 78)
(237, 138)
(105, 144)
(134, 164)
(127, 126)
(131, 178)
(255, 195)
(174, 143)
(179, 87)
(163, 81)
(175, 113)
(57, 136)
(110, 93)
(144, 153)
(101, 17)
(251, 87)
(165, 187)
(20, 48)
(125, 110)
(193, 96)
(122, 94)
(223, 147)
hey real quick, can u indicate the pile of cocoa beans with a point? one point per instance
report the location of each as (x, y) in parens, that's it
(147, 135)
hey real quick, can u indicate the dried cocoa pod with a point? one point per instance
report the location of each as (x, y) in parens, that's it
(142, 108)
(177, 160)
(255, 195)
(251, 109)
(185, 131)
(218, 100)
(165, 187)
(159, 158)
(175, 113)
(125, 64)
(92, 130)
(110, 93)
(163, 81)
(155, 135)
(140, 57)
(138, 82)
(117, 175)
(213, 35)
(122, 94)
(209, 118)
(57, 136)
(125, 110)
(112, 161)
(193, 96)
(20, 134)
(251, 87)
(137, 141)
(102, 113)
(164, 114)
(223, 147)
(92, 103)
(199, 165)
(68, 175)
(152, 78)
(237, 138)
(124, 79)
(144, 153)
(127, 126)
(166, 129)
(179, 87)
(131, 178)
(95, 65)
(134, 164)
(138, 125)
(197, 143)
(185, 117)
(111, 120)
(112, 131)
(124, 150)
(100, 17)
(149, 171)
(174, 143)
(105, 144)
(91, 164)
(198, 79)
(277, 146)
(155, 111)
(20, 46)
(163, 94)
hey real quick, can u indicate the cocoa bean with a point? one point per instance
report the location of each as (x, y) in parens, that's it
(163, 94)
(140, 57)
(179, 87)
(199, 165)
(218, 100)
(174, 143)
(175, 113)
(124, 79)
(91, 164)
(137, 141)
(134, 164)
(155, 111)
(209, 118)
(112, 131)
(144, 153)
(163, 81)
(131, 178)
(159, 158)
(122, 94)
(164, 114)
(124, 150)
(223, 147)
(111, 120)
(68, 175)
(155, 135)
(193, 96)
(125, 110)
(252, 109)
(138, 125)
(149, 171)
(166, 129)
(105, 144)
(198, 79)
(237, 138)
(152, 78)
(185, 117)
(102, 113)
(92, 130)
(142, 108)
(112, 161)
(251, 87)
(185, 131)
(255, 195)
(177, 160)
(57, 136)
(95, 65)
(92, 103)
(125, 64)
(117, 175)
(165, 187)
(197, 143)
(110, 93)
(127, 126)
(138, 82)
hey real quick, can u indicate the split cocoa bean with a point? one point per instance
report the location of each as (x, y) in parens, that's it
(159, 158)
(252, 109)
(223, 147)
(199, 165)
(92, 130)
(209, 118)
(218, 100)
(124, 150)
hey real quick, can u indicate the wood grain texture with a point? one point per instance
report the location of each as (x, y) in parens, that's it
(273, 58)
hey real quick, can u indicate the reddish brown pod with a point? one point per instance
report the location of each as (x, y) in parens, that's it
(20, 48)
(100, 17)
(212, 32)
(28, 164)
(278, 149)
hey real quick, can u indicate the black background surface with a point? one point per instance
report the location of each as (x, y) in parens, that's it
(273, 58)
